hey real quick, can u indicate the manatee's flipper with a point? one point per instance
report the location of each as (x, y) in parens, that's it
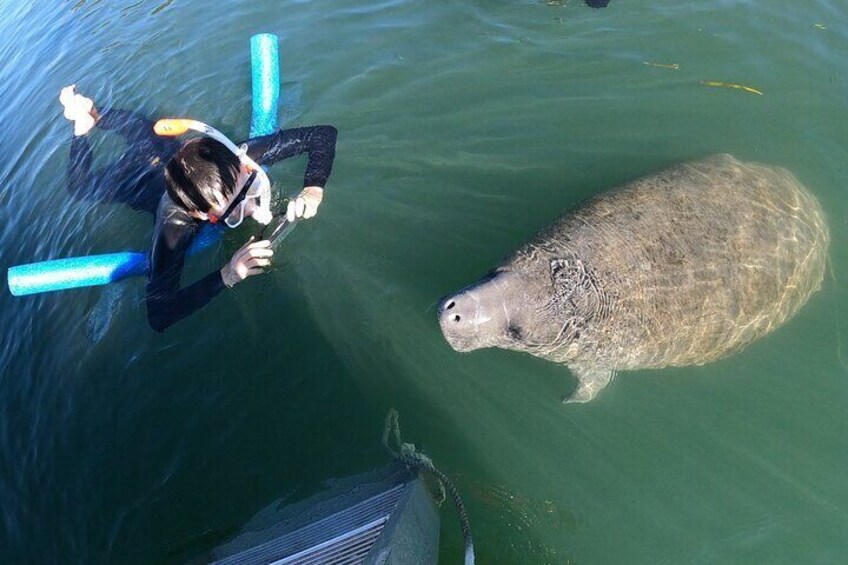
(590, 381)
(597, 3)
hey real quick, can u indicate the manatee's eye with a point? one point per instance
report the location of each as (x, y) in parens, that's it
(514, 332)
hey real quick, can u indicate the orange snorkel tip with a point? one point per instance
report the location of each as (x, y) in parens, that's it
(172, 127)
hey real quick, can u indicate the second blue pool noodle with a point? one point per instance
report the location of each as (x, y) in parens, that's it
(93, 270)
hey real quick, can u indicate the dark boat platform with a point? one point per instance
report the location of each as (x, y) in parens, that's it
(386, 517)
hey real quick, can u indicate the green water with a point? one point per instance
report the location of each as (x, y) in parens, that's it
(465, 127)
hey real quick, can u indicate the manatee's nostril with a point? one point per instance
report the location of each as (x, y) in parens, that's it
(451, 305)
(456, 318)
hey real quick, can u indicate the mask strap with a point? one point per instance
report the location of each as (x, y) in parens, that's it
(239, 198)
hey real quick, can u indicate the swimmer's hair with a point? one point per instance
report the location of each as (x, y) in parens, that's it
(197, 170)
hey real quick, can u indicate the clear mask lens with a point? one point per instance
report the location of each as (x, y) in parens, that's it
(252, 192)
(236, 217)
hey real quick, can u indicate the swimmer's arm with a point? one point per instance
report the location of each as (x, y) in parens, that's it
(167, 303)
(166, 308)
(318, 141)
(132, 126)
(82, 182)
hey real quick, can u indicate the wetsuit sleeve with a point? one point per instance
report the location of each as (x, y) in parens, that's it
(86, 184)
(82, 182)
(318, 141)
(167, 303)
(132, 126)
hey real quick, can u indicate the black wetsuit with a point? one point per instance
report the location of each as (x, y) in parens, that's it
(137, 179)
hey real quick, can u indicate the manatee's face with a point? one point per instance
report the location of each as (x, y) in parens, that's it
(506, 309)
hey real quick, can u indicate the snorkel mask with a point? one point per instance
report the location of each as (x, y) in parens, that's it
(257, 187)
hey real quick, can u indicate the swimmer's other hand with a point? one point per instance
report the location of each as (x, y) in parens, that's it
(306, 204)
(250, 260)
(79, 110)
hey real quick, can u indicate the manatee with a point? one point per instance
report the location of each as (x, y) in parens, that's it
(680, 267)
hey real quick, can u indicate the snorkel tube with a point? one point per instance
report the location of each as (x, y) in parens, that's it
(77, 272)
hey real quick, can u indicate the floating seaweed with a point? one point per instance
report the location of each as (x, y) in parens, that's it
(732, 85)
(674, 66)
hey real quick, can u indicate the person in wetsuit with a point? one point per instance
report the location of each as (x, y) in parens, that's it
(185, 185)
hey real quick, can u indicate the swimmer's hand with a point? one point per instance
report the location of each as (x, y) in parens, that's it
(78, 109)
(248, 261)
(306, 204)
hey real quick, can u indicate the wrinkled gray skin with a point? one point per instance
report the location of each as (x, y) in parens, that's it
(681, 267)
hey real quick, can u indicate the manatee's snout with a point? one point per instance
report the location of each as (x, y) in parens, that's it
(475, 316)
(459, 317)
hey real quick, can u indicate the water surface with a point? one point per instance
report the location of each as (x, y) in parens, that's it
(465, 127)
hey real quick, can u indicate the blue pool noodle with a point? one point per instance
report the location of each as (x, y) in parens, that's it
(75, 272)
(93, 270)
(265, 65)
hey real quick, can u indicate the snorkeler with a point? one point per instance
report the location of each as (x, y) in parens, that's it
(206, 179)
